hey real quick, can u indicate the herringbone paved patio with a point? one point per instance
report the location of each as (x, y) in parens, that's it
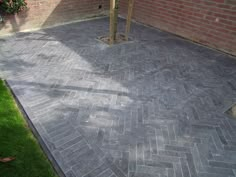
(153, 107)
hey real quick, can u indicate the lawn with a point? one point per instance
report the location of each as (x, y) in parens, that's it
(16, 140)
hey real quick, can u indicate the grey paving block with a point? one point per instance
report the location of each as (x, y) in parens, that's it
(150, 107)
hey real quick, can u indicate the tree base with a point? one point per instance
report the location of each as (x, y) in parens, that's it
(120, 38)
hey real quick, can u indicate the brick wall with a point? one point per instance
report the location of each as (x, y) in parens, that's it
(210, 22)
(43, 13)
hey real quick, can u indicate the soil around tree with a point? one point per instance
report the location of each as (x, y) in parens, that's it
(120, 38)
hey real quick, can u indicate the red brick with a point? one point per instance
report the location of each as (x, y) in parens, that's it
(211, 22)
(44, 13)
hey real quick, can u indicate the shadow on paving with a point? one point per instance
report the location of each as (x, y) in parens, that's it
(151, 107)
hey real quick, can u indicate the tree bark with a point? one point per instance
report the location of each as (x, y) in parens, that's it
(114, 7)
(116, 17)
(112, 24)
(129, 15)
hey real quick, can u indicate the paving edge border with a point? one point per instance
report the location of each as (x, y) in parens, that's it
(43, 146)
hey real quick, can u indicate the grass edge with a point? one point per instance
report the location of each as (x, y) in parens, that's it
(34, 132)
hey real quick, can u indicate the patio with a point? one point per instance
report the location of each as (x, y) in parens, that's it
(151, 107)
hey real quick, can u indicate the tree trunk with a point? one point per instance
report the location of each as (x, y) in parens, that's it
(114, 7)
(116, 17)
(129, 15)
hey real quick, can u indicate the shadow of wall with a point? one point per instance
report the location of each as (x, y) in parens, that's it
(47, 13)
(121, 97)
(72, 10)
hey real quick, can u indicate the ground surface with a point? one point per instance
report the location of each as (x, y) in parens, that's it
(17, 141)
(153, 107)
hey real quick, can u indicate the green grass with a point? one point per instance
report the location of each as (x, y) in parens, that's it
(17, 140)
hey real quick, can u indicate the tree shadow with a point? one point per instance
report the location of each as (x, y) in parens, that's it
(13, 67)
(130, 104)
(155, 91)
(13, 23)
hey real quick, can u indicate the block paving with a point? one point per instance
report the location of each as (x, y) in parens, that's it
(152, 107)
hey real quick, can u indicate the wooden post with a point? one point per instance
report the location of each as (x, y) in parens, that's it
(128, 23)
(116, 17)
(112, 24)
